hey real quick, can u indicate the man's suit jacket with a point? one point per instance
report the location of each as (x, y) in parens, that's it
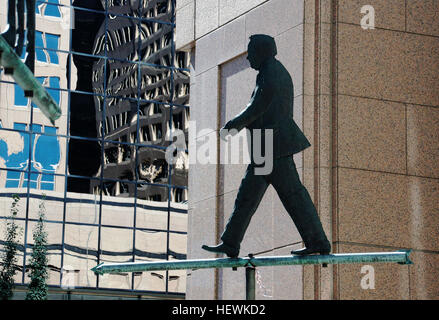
(271, 107)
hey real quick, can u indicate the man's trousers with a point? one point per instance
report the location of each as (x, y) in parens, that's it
(292, 193)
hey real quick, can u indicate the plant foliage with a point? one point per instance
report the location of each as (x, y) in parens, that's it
(39, 263)
(9, 258)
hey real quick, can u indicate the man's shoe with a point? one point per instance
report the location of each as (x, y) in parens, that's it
(323, 249)
(222, 248)
(306, 251)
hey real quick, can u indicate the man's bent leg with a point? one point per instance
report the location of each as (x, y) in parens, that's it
(299, 205)
(250, 194)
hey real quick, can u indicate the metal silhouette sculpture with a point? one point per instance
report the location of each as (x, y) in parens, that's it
(17, 8)
(271, 107)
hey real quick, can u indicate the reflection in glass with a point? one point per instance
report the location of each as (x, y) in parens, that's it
(15, 149)
(177, 245)
(82, 208)
(53, 205)
(116, 246)
(54, 244)
(48, 8)
(152, 215)
(177, 281)
(150, 246)
(80, 253)
(122, 90)
(181, 80)
(84, 161)
(118, 162)
(117, 211)
(5, 205)
(178, 217)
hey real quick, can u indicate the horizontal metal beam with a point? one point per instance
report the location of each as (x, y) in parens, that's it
(26, 80)
(401, 257)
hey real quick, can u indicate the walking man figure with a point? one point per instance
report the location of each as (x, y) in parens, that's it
(271, 107)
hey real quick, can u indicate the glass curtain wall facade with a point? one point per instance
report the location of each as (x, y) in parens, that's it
(101, 170)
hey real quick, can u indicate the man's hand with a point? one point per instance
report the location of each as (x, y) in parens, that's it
(223, 133)
(227, 130)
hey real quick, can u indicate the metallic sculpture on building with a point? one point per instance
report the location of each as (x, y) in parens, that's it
(18, 9)
(271, 107)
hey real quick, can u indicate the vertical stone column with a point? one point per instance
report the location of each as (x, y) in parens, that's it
(370, 111)
(318, 161)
